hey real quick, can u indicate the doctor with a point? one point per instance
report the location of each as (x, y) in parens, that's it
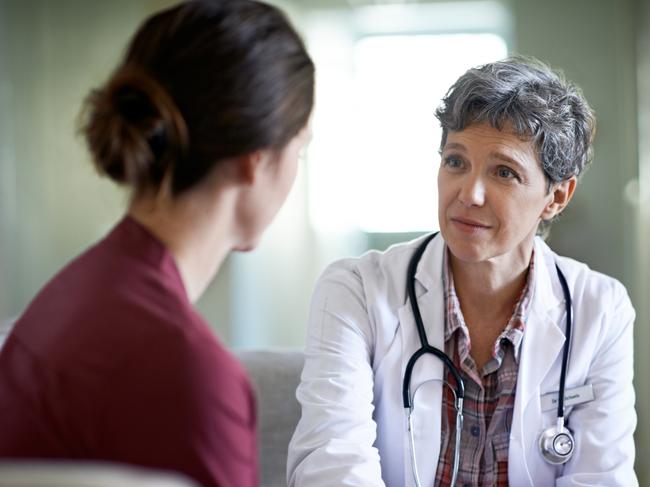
(517, 322)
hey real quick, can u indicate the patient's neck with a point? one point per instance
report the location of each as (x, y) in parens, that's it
(196, 227)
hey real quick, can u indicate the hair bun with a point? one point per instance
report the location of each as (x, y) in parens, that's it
(133, 128)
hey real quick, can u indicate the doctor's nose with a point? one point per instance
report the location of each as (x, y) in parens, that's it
(472, 192)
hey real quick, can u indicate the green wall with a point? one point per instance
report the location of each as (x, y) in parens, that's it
(52, 203)
(642, 357)
(594, 41)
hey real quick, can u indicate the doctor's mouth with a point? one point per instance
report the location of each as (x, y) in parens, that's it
(469, 226)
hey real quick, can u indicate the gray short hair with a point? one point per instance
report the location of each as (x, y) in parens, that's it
(536, 101)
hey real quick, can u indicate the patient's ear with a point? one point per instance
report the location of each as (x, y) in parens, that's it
(560, 195)
(249, 166)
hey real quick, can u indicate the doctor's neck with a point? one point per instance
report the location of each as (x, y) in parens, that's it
(492, 286)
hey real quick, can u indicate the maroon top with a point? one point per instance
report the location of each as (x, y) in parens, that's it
(111, 362)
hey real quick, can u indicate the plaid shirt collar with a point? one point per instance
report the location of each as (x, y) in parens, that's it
(514, 330)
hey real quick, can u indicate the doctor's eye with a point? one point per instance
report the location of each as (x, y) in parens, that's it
(452, 162)
(505, 172)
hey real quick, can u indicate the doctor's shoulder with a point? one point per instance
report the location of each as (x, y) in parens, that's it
(602, 298)
(375, 276)
(360, 297)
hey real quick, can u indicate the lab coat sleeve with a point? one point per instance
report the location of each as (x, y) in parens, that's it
(333, 442)
(603, 428)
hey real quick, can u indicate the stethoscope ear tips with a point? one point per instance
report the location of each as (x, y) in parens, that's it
(556, 445)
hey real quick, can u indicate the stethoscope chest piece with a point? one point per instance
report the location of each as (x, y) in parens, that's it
(557, 444)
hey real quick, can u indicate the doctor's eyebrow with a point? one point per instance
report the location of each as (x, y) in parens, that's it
(507, 159)
(454, 145)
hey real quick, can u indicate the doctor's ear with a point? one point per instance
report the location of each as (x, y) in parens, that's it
(560, 195)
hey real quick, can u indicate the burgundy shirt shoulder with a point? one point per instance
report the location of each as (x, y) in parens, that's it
(111, 362)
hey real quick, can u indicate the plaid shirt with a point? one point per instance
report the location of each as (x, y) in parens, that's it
(489, 394)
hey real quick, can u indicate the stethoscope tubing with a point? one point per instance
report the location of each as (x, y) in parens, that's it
(426, 348)
(565, 351)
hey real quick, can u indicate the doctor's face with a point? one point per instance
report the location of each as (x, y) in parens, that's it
(492, 193)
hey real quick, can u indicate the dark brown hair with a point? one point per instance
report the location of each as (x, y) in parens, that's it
(200, 82)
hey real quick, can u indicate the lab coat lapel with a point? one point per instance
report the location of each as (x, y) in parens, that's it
(542, 344)
(426, 416)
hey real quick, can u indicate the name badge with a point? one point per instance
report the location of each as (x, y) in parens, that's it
(572, 397)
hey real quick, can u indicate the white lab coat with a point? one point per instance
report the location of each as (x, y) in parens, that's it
(362, 333)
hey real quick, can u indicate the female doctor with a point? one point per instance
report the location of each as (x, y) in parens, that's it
(477, 356)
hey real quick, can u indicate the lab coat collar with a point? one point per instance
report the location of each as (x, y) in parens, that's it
(542, 344)
(429, 271)
(548, 291)
(545, 325)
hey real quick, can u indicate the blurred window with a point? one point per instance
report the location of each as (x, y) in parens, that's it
(381, 73)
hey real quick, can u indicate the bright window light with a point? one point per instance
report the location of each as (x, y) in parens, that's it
(374, 156)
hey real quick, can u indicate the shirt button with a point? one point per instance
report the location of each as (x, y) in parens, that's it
(475, 430)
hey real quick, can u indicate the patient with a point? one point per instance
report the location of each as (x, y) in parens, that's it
(203, 121)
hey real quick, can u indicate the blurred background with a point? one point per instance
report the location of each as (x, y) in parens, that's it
(368, 179)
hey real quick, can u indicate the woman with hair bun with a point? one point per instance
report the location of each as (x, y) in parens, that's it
(203, 120)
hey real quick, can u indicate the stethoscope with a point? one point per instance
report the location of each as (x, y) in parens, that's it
(556, 443)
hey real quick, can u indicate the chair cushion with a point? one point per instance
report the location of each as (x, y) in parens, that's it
(275, 376)
(85, 474)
